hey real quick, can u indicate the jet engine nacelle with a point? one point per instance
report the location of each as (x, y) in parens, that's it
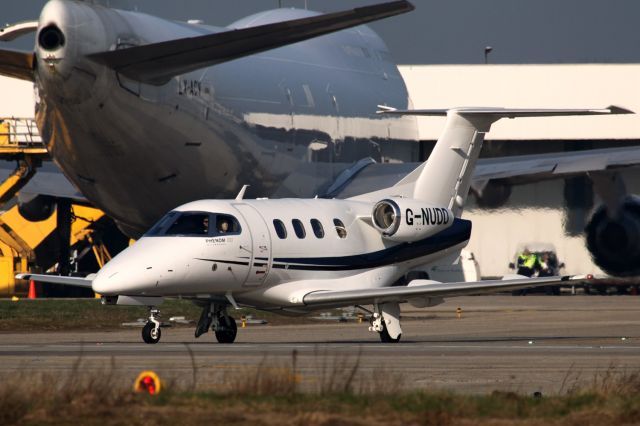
(407, 220)
(614, 242)
(36, 208)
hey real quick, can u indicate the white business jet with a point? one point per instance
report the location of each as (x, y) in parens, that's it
(299, 255)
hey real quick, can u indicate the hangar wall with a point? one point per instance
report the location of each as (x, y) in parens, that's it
(16, 98)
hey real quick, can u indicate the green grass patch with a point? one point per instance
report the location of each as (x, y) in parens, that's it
(75, 314)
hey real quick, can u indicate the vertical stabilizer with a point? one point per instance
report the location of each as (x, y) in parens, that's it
(446, 177)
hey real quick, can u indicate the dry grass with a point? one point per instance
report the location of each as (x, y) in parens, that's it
(273, 393)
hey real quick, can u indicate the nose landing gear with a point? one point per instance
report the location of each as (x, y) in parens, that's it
(151, 331)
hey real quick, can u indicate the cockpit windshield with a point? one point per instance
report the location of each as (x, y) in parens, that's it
(195, 224)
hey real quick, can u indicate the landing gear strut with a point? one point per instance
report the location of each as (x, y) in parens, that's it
(215, 316)
(386, 322)
(151, 332)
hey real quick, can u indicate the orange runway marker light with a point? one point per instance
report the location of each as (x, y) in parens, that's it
(459, 312)
(147, 382)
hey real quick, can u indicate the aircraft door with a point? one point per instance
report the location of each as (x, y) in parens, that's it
(259, 252)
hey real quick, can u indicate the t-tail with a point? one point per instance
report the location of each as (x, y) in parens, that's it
(445, 178)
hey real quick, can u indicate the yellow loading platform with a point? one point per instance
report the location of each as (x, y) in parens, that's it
(19, 237)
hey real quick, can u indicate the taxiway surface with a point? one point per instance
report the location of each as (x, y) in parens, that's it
(522, 344)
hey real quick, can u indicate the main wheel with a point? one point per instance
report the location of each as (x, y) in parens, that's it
(228, 331)
(384, 335)
(150, 334)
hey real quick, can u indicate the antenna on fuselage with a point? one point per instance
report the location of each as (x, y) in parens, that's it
(240, 195)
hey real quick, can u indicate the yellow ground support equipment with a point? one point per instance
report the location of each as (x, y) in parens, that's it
(19, 237)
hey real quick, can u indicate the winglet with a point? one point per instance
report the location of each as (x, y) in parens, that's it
(614, 109)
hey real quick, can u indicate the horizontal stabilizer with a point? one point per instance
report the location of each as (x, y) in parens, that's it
(17, 64)
(428, 289)
(57, 279)
(505, 112)
(157, 63)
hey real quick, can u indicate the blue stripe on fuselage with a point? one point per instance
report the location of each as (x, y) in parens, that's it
(457, 233)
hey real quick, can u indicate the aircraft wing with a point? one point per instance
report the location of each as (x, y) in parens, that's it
(58, 279)
(423, 288)
(157, 63)
(12, 32)
(555, 164)
(17, 64)
(517, 169)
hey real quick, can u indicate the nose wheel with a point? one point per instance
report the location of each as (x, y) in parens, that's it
(151, 331)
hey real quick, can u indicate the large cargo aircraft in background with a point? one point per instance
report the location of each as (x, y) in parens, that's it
(143, 114)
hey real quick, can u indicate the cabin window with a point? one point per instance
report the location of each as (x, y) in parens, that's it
(340, 228)
(318, 230)
(298, 227)
(281, 230)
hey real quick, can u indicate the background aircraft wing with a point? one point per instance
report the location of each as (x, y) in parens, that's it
(157, 63)
(517, 169)
(57, 279)
(17, 64)
(12, 32)
(428, 289)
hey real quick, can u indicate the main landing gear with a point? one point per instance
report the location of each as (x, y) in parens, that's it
(386, 322)
(151, 331)
(215, 316)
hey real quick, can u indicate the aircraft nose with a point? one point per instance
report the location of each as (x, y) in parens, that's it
(115, 280)
(141, 269)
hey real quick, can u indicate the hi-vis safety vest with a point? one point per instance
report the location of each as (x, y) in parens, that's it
(528, 261)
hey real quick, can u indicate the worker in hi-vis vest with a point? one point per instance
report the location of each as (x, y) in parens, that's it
(527, 263)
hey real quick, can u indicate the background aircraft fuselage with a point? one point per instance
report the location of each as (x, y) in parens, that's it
(287, 121)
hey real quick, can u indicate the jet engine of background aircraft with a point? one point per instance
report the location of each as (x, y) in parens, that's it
(405, 220)
(36, 208)
(614, 239)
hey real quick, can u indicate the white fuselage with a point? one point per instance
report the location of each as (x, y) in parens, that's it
(335, 247)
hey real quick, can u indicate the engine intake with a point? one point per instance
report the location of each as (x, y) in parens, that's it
(614, 243)
(409, 220)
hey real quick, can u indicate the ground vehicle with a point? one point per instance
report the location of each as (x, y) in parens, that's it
(547, 264)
